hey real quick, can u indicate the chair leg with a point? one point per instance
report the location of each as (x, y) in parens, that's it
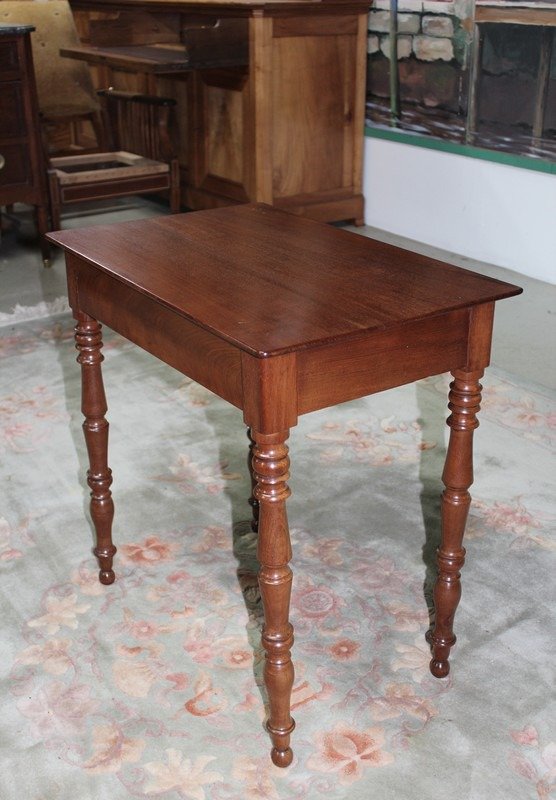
(41, 215)
(55, 203)
(175, 200)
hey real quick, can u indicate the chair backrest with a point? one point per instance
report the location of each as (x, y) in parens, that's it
(64, 85)
(139, 123)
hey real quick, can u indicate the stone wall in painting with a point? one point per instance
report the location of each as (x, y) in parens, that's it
(461, 78)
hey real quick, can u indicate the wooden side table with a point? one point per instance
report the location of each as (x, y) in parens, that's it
(23, 173)
(281, 316)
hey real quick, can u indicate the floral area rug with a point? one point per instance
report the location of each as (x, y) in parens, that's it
(151, 688)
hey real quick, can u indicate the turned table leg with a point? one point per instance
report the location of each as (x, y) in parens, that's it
(88, 341)
(464, 403)
(253, 502)
(270, 471)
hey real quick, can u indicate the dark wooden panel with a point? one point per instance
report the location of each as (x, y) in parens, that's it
(17, 169)
(9, 61)
(12, 120)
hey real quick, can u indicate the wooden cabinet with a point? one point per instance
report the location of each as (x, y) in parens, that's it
(284, 128)
(22, 176)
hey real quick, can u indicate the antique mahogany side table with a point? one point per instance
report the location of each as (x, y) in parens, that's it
(280, 316)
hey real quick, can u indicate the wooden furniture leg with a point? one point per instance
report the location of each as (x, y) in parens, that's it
(88, 341)
(55, 201)
(175, 188)
(253, 502)
(464, 403)
(270, 470)
(41, 216)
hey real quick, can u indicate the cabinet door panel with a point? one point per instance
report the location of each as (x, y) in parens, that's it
(224, 133)
(9, 61)
(219, 107)
(313, 109)
(12, 122)
(17, 167)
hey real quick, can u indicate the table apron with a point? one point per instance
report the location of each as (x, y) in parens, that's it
(194, 351)
(319, 376)
(382, 360)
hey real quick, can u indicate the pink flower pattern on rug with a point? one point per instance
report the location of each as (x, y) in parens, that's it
(347, 752)
(534, 761)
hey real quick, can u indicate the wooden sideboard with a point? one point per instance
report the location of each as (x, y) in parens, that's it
(281, 122)
(22, 176)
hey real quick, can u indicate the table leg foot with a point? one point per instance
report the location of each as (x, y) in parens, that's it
(281, 758)
(464, 403)
(270, 471)
(88, 341)
(106, 574)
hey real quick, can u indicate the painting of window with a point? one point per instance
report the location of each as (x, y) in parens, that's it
(477, 72)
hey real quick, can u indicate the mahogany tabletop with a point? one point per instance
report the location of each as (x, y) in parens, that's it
(270, 282)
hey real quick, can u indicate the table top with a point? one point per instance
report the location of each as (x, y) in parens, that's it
(272, 283)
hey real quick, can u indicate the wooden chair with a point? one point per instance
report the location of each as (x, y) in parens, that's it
(141, 159)
(133, 153)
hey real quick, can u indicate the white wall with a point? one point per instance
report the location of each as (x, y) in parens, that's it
(491, 212)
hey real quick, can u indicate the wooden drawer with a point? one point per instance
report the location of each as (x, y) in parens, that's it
(9, 60)
(12, 120)
(17, 169)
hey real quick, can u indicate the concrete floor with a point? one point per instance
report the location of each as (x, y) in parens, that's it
(524, 332)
